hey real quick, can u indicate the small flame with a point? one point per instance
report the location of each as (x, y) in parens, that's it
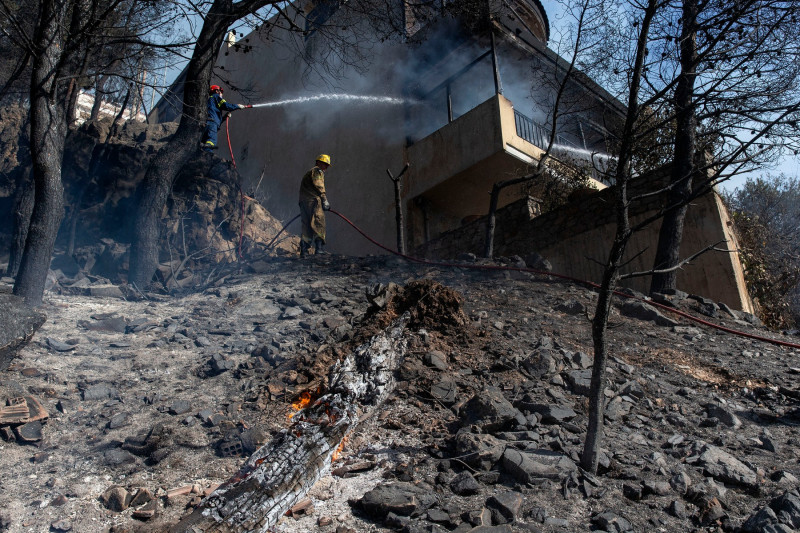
(300, 403)
(335, 455)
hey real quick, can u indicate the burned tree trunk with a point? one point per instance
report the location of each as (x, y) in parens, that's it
(23, 207)
(398, 207)
(48, 133)
(280, 474)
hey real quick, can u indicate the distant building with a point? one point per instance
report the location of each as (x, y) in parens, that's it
(83, 109)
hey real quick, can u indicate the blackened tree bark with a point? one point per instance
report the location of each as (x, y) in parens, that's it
(48, 133)
(164, 168)
(671, 234)
(23, 208)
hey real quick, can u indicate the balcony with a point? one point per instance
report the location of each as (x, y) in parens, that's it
(454, 168)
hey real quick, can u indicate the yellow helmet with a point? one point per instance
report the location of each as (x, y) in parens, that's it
(324, 158)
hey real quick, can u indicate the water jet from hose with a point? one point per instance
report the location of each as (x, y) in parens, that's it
(355, 98)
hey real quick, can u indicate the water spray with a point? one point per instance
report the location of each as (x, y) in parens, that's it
(337, 98)
(583, 153)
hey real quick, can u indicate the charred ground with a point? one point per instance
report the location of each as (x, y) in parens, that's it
(164, 397)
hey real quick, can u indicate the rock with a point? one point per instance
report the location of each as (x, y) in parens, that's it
(712, 511)
(642, 311)
(677, 509)
(61, 526)
(504, 507)
(219, 364)
(444, 391)
(291, 312)
(659, 488)
(582, 360)
(540, 363)
(437, 515)
(579, 381)
(723, 415)
(760, 520)
(147, 511)
(481, 451)
(180, 407)
(119, 420)
(464, 484)
(116, 499)
(571, 307)
(106, 291)
(113, 324)
(436, 359)
(100, 391)
(536, 261)
(530, 466)
(401, 498)
(611, 522)
(30, 432)
(552, 414)
(632, 492)
(19, 325)
(118, 456)
(617, 408)
(489, 410)
(141, 497)
(680, 482)
(59, 346)
(724, 467)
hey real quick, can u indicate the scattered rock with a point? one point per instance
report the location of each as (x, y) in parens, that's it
(642, 311)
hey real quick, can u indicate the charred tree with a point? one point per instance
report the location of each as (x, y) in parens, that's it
(280, 474)
(48, 134)
(23, 207)
(671, 233)
(594, 432)
(157, 184)
(491, 218)
(398, 208)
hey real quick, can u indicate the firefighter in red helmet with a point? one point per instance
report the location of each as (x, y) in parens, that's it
(216, 107)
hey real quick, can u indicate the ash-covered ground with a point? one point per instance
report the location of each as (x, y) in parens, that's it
(152, 403)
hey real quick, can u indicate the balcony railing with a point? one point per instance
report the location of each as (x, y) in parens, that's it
(535, 133)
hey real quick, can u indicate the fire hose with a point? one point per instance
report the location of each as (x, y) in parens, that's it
(585, 283)
(241, 192)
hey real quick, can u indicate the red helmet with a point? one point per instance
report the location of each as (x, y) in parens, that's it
(215, 88)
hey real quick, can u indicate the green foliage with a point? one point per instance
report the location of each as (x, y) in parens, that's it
(766, 216)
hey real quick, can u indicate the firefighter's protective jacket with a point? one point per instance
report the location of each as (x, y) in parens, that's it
(312, 186)
(312, 196)
(216, 107)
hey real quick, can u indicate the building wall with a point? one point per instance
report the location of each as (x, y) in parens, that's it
(576, 239)
(275, 145)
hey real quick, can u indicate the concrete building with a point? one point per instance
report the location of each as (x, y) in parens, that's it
(465, 101)
(464, 107)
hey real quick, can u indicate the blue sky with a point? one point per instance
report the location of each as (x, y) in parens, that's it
(789, 165)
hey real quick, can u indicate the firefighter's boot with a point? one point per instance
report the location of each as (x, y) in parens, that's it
(318, 247)
(304, 246)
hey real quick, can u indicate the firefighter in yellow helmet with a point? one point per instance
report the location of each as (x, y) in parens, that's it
(313, 204)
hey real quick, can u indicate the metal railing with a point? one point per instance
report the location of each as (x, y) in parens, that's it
(529, 130)
(536, 134)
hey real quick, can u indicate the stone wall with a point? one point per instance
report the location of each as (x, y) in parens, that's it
(577, 237)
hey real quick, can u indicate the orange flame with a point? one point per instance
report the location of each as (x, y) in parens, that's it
(335, 455)
(300, 403)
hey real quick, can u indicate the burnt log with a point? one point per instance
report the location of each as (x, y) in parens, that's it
(282, 472)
